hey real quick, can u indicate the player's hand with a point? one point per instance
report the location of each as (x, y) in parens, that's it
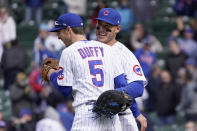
(143, 122)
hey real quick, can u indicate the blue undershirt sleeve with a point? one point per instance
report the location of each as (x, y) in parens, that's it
(135, 110)
(120, 81)
(134, 89)
(65, 90)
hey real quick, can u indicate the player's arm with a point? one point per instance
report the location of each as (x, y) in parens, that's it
(120, 84)
(134, 89)
(135, 110)
(62, 79)
(138, 116)
(65, 90)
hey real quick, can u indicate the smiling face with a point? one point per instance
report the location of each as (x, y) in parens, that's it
(64, 35)
(106, 33)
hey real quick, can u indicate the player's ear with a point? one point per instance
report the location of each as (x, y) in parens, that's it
(69, 29)
(118, 28)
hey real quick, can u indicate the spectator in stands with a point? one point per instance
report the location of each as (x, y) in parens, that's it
(40, 52)
(188, 44)
(183, 7)
(21, 94)
(143, 11)
(76, 6)
(167, 98)
(90, 31)
(48, 124)
(42, 101)
(153, 82)
(187, 36)
(174, 35)
(100, 4)
(66, 112)
(126, 12)
(138, 35)
(190, 65)
(51, 116)
(35, 80)
(7, 29)
(189, 97)
(24, 121)
(190, 126)
(33, 8)
(51, 122)
(175, 59)
(146, 57)
(14, 60)
(54, 45)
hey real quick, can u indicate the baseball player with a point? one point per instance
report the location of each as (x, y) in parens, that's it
(86, 69)
(106, 30)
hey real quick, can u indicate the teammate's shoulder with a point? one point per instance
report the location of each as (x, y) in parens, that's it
(123, 49)
(120, 46)
(101, 44)
(98, 42)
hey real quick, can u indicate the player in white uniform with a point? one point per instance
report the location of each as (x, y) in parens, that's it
(86, 69)
(107, 28)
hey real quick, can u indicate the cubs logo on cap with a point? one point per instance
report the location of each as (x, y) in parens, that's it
(110, 16)
(105, 12)
(137, 70)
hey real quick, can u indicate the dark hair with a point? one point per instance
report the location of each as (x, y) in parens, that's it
(78, 30)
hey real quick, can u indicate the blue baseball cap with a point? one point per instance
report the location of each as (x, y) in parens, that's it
(189, 30)
(110, 16)
(190, 61)
(25, 112)
(68, 19)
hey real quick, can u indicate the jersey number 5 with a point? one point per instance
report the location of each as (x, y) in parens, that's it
(96, 71)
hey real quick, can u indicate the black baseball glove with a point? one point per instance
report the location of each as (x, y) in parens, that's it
(111, 102)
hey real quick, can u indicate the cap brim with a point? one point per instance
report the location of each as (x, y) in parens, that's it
(104, 20)
(56, 29)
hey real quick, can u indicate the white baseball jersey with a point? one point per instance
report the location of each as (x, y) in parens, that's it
(134, 72)
(90, 68)
(130, 64)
